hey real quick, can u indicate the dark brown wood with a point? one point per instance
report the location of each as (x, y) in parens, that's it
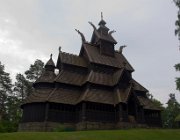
(83, 111)
(120, 112)
(94, 86)
(46, 112)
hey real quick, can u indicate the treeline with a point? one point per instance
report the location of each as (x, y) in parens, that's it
(170, 113)
(13, 94)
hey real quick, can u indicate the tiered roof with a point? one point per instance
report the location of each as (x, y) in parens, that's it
(110, 92)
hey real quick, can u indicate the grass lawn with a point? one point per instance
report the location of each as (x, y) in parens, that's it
(131, 134)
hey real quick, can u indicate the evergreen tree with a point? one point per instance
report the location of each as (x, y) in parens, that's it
(171, 112)
(177, 67)
(14, 114)
(177, 23)
(177, 32)
(23, 84)
(35, 70)
(22, 87)
(9, 104)
(5, 91)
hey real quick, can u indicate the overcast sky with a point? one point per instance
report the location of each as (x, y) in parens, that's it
(34, 29)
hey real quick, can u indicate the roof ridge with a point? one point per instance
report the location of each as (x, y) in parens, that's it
(119, 75)
(141, 86)
(88, 76)
(128, 92)
(52, 92)
(82, 97)
(117, 95)
(70, 54)
(57, 77)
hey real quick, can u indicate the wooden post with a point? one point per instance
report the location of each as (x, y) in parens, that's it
(159, 119)
(142, 115)
(83, 116)
(83, 111)
(136, 113)
(46, 115)
(46, 111)
(127, 113)
(120, 111)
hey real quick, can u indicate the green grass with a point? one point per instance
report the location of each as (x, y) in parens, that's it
(132, 134)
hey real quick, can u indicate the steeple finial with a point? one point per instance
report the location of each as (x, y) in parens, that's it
(102, 22)
(50, 64)
(59, 48)
(101, 15)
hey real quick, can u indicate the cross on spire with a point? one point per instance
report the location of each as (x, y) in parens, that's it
(102, 22)
(101, 15)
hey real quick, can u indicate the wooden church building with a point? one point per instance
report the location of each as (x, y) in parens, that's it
(93, 90)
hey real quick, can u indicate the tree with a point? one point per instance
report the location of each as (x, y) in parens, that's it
(14, 114)
(156, 102)
(8, 103)
(23, 84)
(22, 87)
(171, 112)
(177, 32)
(177, 23)
(177, 67)
(5, 91)
(35, 70)
(10, 100)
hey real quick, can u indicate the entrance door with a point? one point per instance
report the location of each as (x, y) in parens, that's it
(131, 109)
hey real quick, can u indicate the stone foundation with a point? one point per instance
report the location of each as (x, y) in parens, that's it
(44, 126)
(52, 126)
(127, 125)
(94, 126)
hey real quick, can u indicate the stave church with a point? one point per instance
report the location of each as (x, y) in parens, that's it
(92, 90)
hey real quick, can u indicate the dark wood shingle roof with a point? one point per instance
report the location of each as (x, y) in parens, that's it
(72, 78)
(147, 103)
(65, 96)
(118, 61)
(104, 78)
(47, 76)
(138, 87)
(122, 95)
(105, 37)
(72, 59)
(50, 62)
(39, 95)
(98, 96)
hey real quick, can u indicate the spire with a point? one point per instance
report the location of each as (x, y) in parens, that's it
(50, 64)
(102, 33)
(47, 76)
(101, 15)
(59, 49)
(102, 22)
